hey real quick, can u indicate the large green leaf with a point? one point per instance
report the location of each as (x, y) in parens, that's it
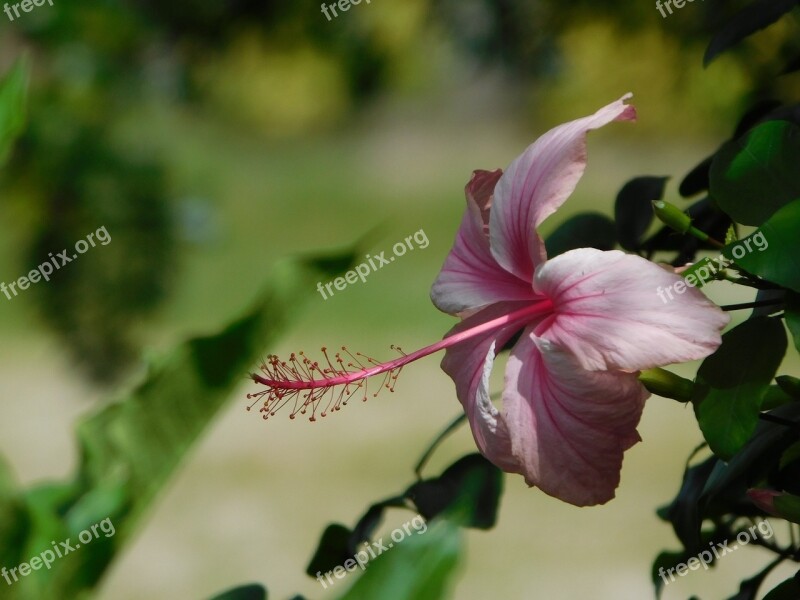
(420, 567)
(749, 20)
(787, 506)
(472, 482)
(13, 92)
(586, 230)
(787, 590)
(633, 211)
(754, 176)
(772, 252)
(131, 448)
(732, 382)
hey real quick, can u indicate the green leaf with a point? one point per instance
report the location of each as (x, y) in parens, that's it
(421, 567)
(710, 272)
(245, 592)
(760, 456)
(684, 512)
(790, 455)
(587, 230)
(13, 93)
(789, 385)
(786, 590)
(788, 507)
(371, 519)
(131, 448)
(792, 316)
(754, 176)
(470, 484)
(772, 252)
(659, 571)
(633, 211)
(732, 382)
(748, 590)
(749, 20)
(775, 397)
(333, 549)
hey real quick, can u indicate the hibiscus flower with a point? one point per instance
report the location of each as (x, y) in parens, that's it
(587, 322)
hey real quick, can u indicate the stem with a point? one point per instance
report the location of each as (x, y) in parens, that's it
(437, 442)
(704, 237)
(745, 305)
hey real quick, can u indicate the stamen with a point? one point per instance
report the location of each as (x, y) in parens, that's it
(325, 389)
(307, 385)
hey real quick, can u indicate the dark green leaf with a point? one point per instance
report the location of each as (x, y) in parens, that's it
(748, 590)
(587, 230)
(684, 511)
(732, 382)
(696, 180)
(792, 315)
(367, 525)
(749, 20)
(334, 548)
(775, 397)
(772, 252)
(659, 572)
(471, 484)
(788, 507)
(790, 456)
(787, 590)
(633, 212)
(751, 464)
(754, 176)
(790, 385)
(246, 592)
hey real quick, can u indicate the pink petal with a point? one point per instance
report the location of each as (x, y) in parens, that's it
(609, 314)
(470, 278)
(537, 183)
(764, 499)
(469, 365)
(569, 427)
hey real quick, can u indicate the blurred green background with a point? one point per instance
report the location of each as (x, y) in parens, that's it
(212, 139)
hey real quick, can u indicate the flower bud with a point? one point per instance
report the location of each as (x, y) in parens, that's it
(667, 384)
(672, 216)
